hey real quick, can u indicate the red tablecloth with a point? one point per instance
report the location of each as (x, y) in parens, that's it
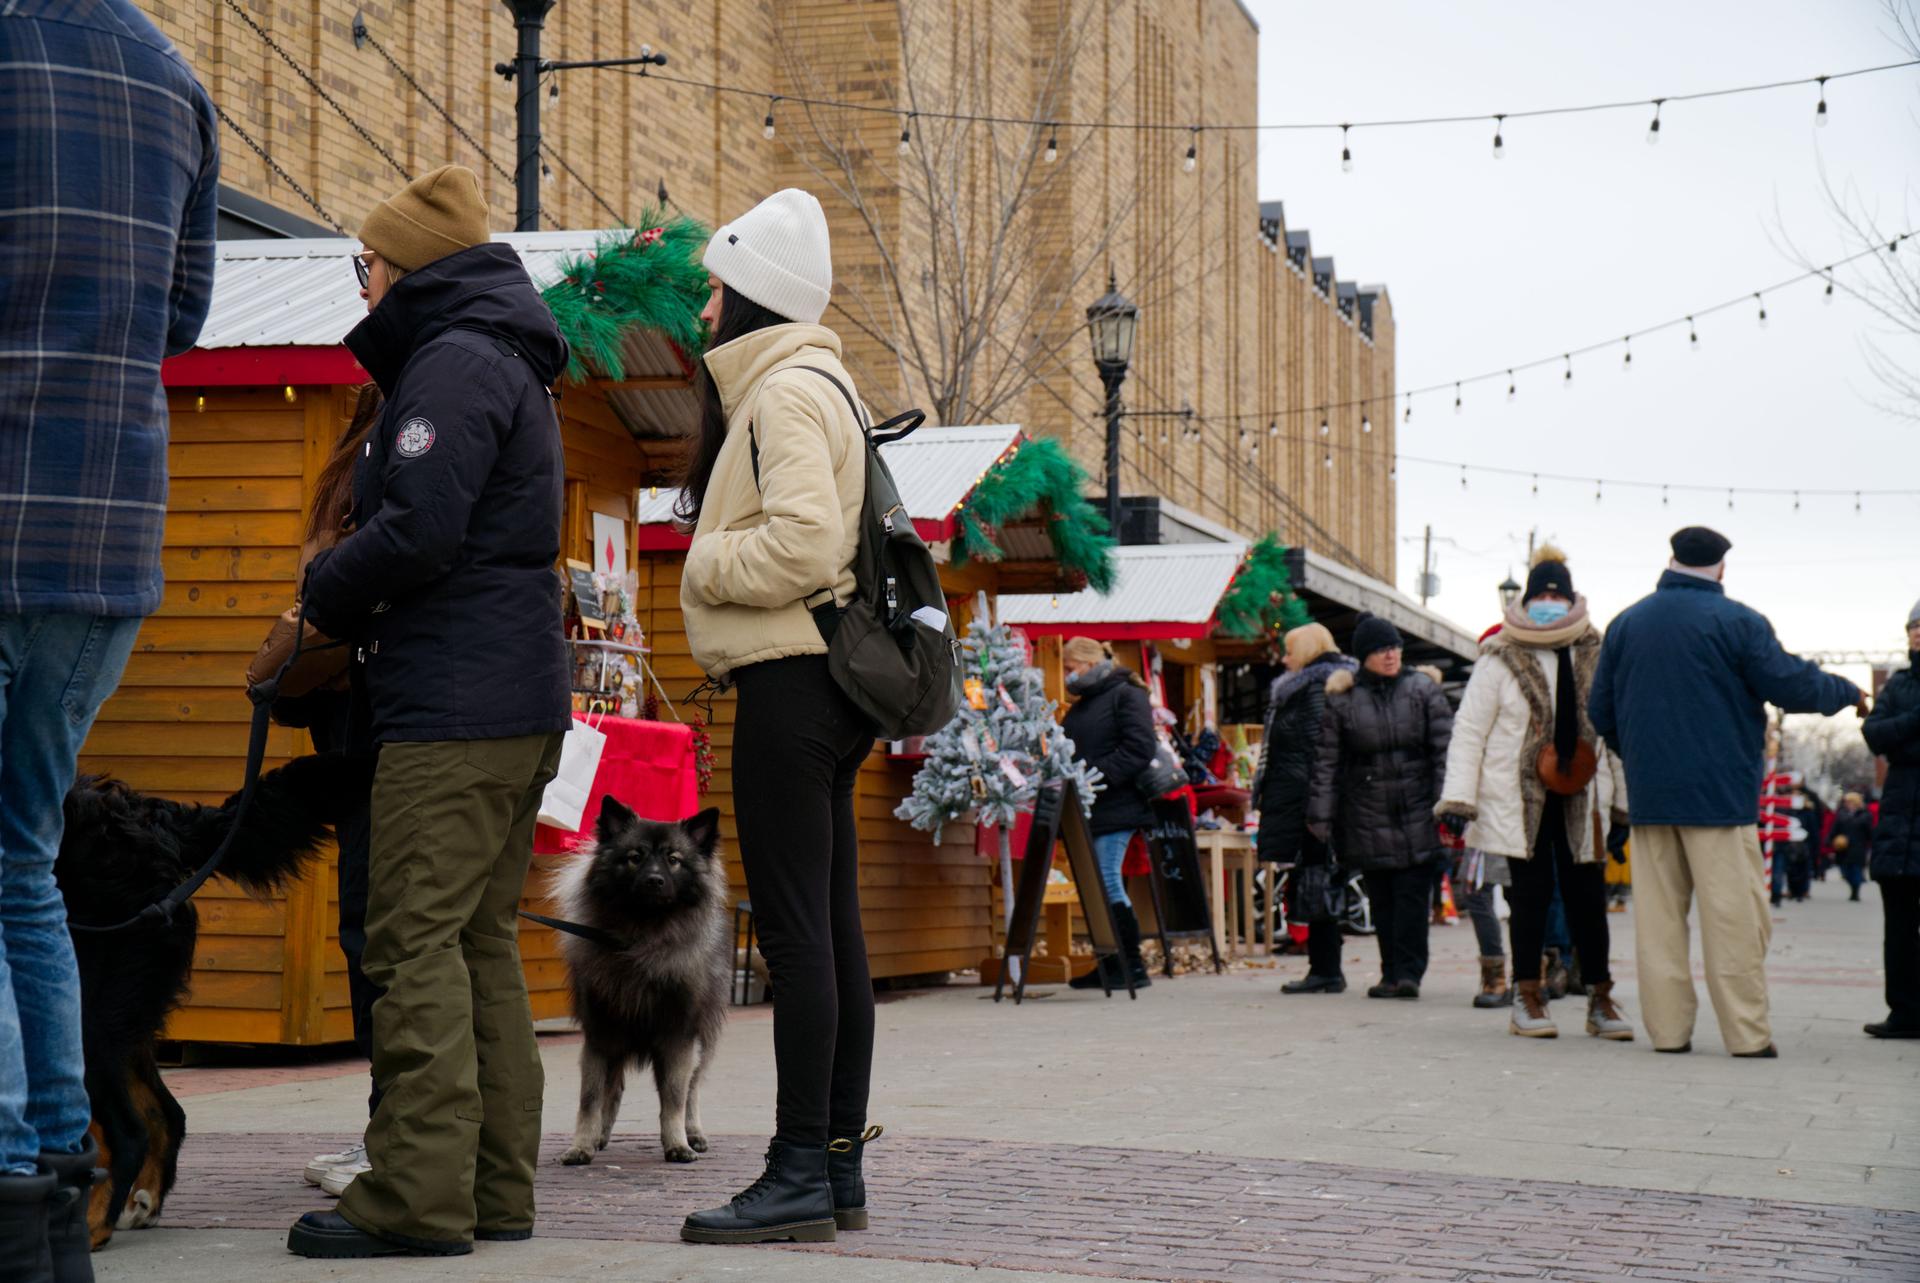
(647, 765)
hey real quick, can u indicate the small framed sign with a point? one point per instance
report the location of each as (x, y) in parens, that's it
(586, 595)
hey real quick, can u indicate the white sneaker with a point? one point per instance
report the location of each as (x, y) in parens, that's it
(335, 1182)
(353, 1156)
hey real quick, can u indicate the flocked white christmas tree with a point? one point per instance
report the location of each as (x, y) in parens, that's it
(990, 760)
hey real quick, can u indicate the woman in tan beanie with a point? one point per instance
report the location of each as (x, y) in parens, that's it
(446, 590)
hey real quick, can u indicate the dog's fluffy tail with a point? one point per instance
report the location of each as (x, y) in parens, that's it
(293, 810)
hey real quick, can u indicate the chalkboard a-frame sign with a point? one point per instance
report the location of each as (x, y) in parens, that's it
(586, 595)
(1180, 893)
(1057, 817)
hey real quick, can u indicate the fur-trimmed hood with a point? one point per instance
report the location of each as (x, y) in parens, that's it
(1343, 681)
(1320, 670)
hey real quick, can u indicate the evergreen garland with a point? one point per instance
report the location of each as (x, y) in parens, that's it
(1261, 601)
(1038, 475)
(650, 276)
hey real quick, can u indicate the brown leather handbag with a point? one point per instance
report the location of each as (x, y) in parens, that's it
(322, 662)
(1580, 772)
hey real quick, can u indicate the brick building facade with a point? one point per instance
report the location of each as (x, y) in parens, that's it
(1240, 319)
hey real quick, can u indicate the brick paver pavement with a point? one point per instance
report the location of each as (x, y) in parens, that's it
(1149, 1214)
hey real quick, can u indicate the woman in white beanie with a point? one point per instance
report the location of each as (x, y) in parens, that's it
(773, 488)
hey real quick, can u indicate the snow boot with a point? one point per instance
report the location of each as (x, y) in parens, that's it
(1091, 980)
(791, 1200)
(844, 1175)
(1493, 984)
(69, 1240)
(1530, 1018)
(23, 1227)
(1604, 1019)
(1128, 926)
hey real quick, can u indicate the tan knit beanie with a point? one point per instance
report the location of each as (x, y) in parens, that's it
(435, 215)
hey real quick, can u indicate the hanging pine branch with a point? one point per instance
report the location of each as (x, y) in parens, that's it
(1261, 601)
(1039, 477)
(649, 277)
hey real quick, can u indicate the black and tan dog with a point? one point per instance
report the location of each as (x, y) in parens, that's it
(653, 987)
(123, 850)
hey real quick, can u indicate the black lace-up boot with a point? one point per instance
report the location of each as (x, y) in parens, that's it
(849, 1185)
(791, 1200)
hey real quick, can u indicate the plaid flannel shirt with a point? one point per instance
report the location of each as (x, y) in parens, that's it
(109, 164)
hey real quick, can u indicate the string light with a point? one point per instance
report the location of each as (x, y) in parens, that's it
(1763, 308)
(1663, 496)
(1324, 428)
(906, 136)
(1346, 153)
(1328, 461)
(1796, 501)
(1253, 451)
(1393, 470)
(1463, 476)
(546, 172)
(200, 401)
(1456, 398)
(1366, 423)
(1536, 483)
(1856, 503)
(1409, 414)
(1596, 490)
(1826, 295)
(1273, 427)
(1693, 336)
(1626, 362)
(1052, 152)
(1513, 388)
(1653, 130)
(553, 89)
(1729, 500)
(766, 128)
(287, 392)
(1193, 152)
(1567, 380)
(1499, 142)
(1820, 108)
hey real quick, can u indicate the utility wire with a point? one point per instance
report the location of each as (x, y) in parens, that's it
(274, 165)
(323, 95)
(1038, 122)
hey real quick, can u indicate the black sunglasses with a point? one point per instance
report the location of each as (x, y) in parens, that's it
(361, 270)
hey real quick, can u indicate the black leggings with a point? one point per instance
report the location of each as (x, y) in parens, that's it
(1399, 898)
(1583, 891)
(798, 744)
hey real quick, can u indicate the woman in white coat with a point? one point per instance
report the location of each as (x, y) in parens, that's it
(1528, 779)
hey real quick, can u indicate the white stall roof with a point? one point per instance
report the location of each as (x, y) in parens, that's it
(1161, 590)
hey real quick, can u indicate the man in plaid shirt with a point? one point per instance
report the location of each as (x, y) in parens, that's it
(109, 163)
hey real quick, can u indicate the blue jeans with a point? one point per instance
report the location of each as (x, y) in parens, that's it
(55, 671)
(1110, 851)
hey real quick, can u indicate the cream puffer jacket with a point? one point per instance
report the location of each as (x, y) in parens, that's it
(1505, 718)
(760, 550)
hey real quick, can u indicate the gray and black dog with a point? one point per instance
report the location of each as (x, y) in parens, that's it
(661, 890)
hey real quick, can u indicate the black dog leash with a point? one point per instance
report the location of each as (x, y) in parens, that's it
(605, 939)
(161, 911)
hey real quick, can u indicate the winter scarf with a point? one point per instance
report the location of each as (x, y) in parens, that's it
(1557, 716)
(1087, 679)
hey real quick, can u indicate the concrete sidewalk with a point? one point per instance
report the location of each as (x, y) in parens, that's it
(1333, 1138)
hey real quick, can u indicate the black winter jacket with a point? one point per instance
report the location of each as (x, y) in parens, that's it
(1856, 827)
(1892, 730)
(1288, 749)
(1383, 755)
(1111, 726)
(447, 586)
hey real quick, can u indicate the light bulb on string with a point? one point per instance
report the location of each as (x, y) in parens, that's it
(1243, 436)
(766, 126)
(1663, 496)
(1826, 295)
(1499, 141)
(1273, 427)
(1763, 308)
(1820, 108)
(1409, 414)
(1536, 483)
(1566, 380)
(1193, 152)
(1729, 499)
(1328, 461)
(1456, 398)
(1626, 362)
(200, 401)
(1596, 490)
(1513, 389)
(1366, 423)
(553, 89)
(1052, 152)
(906, 136)
(1693, 336)
(1253, 451)
(1324, 427)
(1796, 501)
(1856, 503)
(288, 393)
(1346, 153)
(1653, 130)
(1393, 469)
(1463, 476)
(546, 172)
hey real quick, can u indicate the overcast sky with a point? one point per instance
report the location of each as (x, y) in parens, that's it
(1584, 232)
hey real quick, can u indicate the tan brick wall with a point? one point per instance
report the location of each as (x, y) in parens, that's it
(1226, 326)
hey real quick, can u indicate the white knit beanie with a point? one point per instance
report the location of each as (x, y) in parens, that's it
(777, 255)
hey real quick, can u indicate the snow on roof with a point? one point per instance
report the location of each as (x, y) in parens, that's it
(1160, 590)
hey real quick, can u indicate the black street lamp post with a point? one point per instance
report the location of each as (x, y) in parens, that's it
(1111, 321)
(1509, 591)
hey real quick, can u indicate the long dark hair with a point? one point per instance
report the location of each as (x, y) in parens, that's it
(739, 316)
(333, 488)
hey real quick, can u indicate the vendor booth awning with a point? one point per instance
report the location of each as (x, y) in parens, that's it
(281, 307)
(1160, 592)
(1337, 595)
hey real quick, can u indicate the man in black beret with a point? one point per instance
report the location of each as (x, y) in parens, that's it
(1684, 679)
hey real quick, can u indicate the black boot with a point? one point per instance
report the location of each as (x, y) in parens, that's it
(23, 1227)
(1091, 980)
(843, 1174)
(1129, 928)
(69, 1241)
(791, 1200)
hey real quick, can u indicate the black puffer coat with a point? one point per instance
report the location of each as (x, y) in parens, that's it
(1383, 754)
(1288, 749)
(447, 585)
(1893, 731)
(1111, 727)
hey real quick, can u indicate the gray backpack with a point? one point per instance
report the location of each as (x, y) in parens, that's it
(891, 648)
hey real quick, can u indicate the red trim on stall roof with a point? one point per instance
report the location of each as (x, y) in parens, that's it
(247, 367)
(660, 537)
(933, 531)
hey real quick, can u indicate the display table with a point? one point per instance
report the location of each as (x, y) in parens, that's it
(1229, 852)
(649, 766)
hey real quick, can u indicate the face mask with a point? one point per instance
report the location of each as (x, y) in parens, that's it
(1547, 612)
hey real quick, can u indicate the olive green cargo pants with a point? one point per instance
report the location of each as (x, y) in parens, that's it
(455, 1138)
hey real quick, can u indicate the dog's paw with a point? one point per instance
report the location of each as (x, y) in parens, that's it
(697, 1142)
(681, 1153)
(139, 1211)
(600, 1141)
(576, 1156)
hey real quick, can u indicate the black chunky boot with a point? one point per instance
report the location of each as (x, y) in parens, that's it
(1091, 980)
(791, 1200)
(1129, 928)
(23, 1227)
(69, 1240)
(843, 1174)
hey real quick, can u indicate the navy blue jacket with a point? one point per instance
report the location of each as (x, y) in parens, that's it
(447, 585)
(1684, 679)
(1893, 731)
(110, 160)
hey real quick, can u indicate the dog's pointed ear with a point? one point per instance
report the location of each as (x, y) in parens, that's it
(614, 815)
(704, 829)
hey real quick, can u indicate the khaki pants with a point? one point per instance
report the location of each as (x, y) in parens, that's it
(1723, 865)
(457, 1132)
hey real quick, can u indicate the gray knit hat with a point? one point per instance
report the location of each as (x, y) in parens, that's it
(1913, 616)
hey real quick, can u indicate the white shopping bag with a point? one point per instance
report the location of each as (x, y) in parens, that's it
(565, 801)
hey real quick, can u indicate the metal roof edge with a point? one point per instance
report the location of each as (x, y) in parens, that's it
(1364, 592)
(1206, 526)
